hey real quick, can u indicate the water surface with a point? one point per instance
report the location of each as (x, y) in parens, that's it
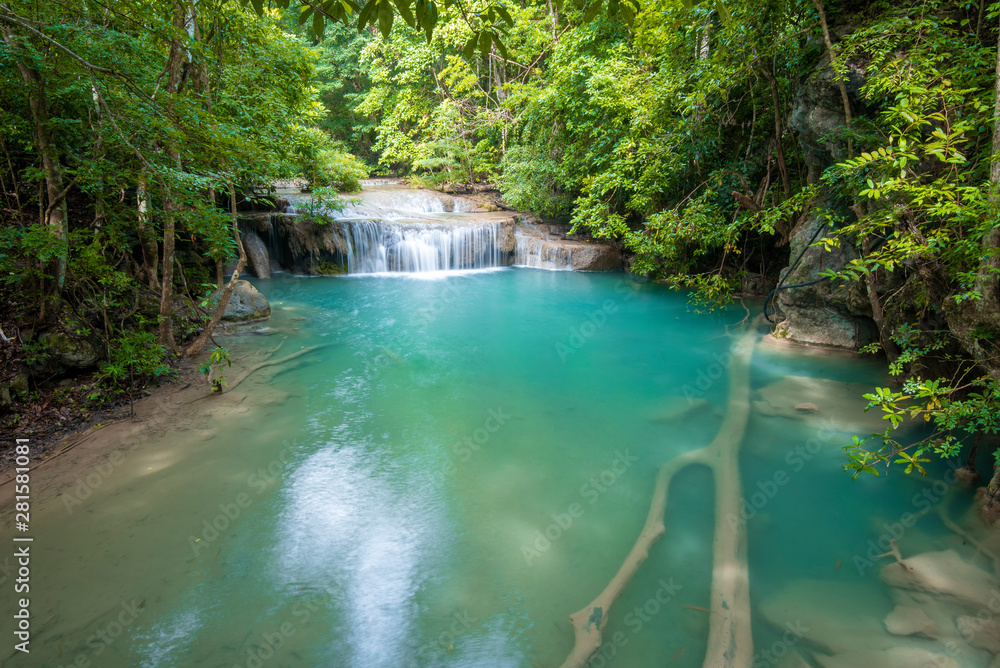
(462, 465)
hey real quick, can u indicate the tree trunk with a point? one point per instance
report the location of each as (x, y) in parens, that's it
(147, 238)
(989, 265)
(878, 315)
(840, 83)
(202, 339)
(167, 287)
(55, 215)
(779, 148)
(174, 62)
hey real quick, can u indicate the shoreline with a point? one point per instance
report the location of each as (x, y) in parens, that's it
(122, 432)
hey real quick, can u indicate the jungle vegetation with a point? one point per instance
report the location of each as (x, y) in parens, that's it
(131, 134)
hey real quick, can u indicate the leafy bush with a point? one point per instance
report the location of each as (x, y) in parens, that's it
(322, 164)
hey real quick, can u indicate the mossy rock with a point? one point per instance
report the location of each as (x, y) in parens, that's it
(245, 303)
(70, 350)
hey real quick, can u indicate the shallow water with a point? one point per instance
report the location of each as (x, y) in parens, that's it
(464, 464)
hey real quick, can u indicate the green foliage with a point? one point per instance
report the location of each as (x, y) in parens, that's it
(136, 359)
(218, 359)
(322, 164)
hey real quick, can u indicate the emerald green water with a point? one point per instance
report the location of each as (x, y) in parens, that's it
(365, 530)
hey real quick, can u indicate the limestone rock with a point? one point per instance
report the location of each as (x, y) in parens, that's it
(909, 621)
(826, 313)
(245, 303)
(595, 257)
(828, 404)
(818, 111)
(70, 350)
(256, 255)
(894, 657)
(835, 616)
(981, 633)
(944, 574)
(547, 246)
(793, 660)
(19, 386)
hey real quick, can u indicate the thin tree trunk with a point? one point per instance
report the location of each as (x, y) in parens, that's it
(840, 82)
(878, 315)
(147, 238)
(167, 287)
(779, 149)
(55, 215)
(202, 339)
(175, 60)
(989, 265)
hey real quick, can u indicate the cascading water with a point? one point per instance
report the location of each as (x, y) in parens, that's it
(377, 246)
(532, 251)
(392, 228)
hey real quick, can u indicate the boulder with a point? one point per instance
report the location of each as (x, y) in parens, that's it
(6, 403)
(944, 575)
(245, 303)
(906, 620)
(548, 247)
(827, 313)
(70, 350)
(19, 386)
(256, 255)
(981, 633)
(894, 657)
(595, 257)
(823, 403)
(834, 616)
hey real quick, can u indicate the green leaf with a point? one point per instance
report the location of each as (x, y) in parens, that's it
(430, 20)
(404, 10)
(364, 18)
(258, 6)
(485, 40)
(628, 13)
(500, 47)
(724, 14)
(470, 47)
(593, 11)
(319, 23)
(505, 15)
(385, 16)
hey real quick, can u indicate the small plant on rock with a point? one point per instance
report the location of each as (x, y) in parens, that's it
(214, 363)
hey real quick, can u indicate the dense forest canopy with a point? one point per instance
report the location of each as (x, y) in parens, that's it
(703, 138)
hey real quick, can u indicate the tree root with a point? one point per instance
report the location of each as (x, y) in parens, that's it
(270, 362)
(730, 643)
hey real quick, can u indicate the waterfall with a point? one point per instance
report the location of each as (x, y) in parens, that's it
(376, 246)
(530, 251)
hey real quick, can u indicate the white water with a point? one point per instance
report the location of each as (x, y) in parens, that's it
(392, 204)
(377, 247)
(390, 228)
(538, 253)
